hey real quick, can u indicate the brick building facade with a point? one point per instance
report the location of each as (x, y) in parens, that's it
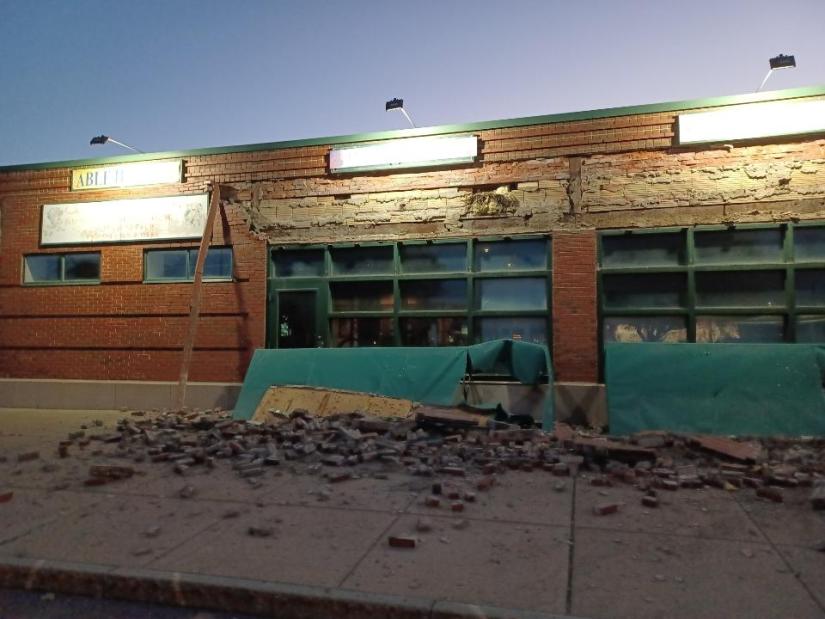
(568, 179)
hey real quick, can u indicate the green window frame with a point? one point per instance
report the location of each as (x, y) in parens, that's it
(69, 269)
(218, 266)
(448, 297)
(742, 283)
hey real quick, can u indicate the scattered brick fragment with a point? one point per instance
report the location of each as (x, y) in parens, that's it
(111, 472)
(770, 493)
(817, 497)
(402, 541)
(6, 496)
(432, 501)
(28, 456)
(260, 531)
(650, 501)
(457, 506)
(605, 509)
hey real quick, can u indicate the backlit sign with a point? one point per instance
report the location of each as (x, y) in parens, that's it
(752, 120)
(404, 153)
(127, 175)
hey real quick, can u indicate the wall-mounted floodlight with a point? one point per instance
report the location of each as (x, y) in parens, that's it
(105, 139)
(398, 104)
(778, 62)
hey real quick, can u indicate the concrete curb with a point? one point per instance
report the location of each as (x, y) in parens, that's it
(286, 601)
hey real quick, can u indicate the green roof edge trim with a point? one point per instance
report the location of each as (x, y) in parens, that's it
(650, 108)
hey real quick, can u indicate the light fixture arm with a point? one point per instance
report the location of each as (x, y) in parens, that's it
(114, 141)
(769, 73)
(407, 116)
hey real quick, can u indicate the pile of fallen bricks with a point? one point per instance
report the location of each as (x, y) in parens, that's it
(433, 444)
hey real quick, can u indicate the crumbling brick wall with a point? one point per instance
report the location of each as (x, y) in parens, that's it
(566, 179)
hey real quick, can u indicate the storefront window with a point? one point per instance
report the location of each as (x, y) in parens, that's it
(433, 258)
(434, 294)
(512, 294)
(733, 285)
(809, 244)
(434, 331)
(361, 296)
(510, 255)
(362, 260)
(359, 332)
(739, 246)
(413, 293)
(643, 249)
(522, 329)
(299, 263)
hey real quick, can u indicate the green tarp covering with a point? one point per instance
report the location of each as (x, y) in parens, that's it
(729, 389)
(426, 375)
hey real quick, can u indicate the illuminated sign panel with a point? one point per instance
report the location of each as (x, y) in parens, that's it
(753, 120)
(127, 175)
(404, 153)
(112, 221)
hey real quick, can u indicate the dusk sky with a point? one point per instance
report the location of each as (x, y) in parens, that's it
(180, 74)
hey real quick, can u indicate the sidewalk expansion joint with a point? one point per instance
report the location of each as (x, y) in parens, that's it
(782, 557)
(568, 604)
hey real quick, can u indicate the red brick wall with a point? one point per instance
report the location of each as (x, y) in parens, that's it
(122, 328)
(575, 313)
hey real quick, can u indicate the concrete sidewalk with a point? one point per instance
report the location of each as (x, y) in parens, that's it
(522, 547)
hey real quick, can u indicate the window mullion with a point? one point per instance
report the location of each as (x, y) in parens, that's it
(690, 256)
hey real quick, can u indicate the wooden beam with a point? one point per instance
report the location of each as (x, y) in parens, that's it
(195, 303)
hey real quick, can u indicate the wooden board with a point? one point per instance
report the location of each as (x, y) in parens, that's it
(324, 402)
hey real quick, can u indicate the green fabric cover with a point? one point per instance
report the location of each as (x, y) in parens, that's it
(427, 375)
(728, 389)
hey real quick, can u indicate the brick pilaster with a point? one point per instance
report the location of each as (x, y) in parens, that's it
(575, 311)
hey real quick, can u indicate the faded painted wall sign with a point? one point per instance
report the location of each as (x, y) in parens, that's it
(111, 221)
(128, 175)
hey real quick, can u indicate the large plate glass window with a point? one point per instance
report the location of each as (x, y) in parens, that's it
(424, 293)
(761, 283)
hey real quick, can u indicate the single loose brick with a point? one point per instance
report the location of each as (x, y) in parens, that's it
(402, 541)
(604, 509)
(650, 501)
(770, 493)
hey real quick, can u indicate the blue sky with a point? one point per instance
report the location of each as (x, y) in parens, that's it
(178, 74)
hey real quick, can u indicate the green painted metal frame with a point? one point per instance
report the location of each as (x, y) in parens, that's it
(789, 311)
(672, 106)
(62, 281)
(185, 280)
(322, 286)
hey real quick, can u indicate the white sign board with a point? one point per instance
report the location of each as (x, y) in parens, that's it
(128, 175)
(112, 221)
(752, 120)
(404, 153)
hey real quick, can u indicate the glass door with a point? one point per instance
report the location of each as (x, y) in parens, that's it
(296, 317)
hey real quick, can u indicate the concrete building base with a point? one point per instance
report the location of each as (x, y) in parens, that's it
(111, 395)
(576, 403)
